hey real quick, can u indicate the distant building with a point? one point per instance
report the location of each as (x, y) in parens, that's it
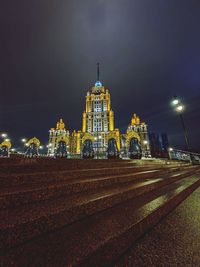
(165, 142)
(141, 129)
(98, 128)
(57, 135)
(158, 145)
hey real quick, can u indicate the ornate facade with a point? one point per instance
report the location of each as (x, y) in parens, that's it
(98, 126)
(56, 135)
(142, 130)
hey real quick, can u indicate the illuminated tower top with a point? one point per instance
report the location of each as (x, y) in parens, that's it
(98, 115)
(98, 87)
(98, 83)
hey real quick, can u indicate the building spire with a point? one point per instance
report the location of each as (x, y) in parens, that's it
(97, 71)
(98, 83)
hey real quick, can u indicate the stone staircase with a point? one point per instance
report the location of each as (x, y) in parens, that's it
(84, 212)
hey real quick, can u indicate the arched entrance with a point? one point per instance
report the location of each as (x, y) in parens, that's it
(88, 151)
(134, 151)
(87, 146)
(32, 147)
(61, 147)
(61, 150)
(112, 150)
(133, 145)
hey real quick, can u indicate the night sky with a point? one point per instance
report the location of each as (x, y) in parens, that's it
(148, 52)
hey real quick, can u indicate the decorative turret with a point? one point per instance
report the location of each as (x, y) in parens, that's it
(141, 129)
(135, 120)
(58, 140)
(60, 125)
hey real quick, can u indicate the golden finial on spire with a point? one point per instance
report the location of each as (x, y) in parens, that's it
(135, 119)
(60, 125)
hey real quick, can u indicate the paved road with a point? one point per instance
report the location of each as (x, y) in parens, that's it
(173, 242)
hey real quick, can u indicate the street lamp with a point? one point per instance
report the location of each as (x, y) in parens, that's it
(175, 101)
(25, 144)
(145, 142)
(4, 135)
(179, 108)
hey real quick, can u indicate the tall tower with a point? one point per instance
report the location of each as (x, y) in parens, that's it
(98, 117)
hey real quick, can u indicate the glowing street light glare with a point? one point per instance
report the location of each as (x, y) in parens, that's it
(23, 140)
(7, 140)
(40, 147)
(175, 102)
(145, 142)
(26, 144)
(180, 108)
(13, 149)
(170, 149)
(4, 135)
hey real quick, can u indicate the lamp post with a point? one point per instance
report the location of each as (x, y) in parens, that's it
(24, 140)
(4, 135)
(145, 142)
(97, 142)
(179, 108)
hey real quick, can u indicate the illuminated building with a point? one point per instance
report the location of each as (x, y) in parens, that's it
(5, 147)
(159, 145)
(56, 135)
(98, 126)
(141, 129)
(98, 117)
(32, 147)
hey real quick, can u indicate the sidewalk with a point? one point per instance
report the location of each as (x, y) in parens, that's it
(175, 241)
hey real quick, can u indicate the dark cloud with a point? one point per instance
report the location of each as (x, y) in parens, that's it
(148, 50)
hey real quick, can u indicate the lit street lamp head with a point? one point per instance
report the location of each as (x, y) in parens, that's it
(179, 108)
(4, 135)
(175, 102)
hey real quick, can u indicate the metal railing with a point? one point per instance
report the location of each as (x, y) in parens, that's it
(187, 156)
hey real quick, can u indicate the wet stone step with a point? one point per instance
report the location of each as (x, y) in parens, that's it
(41, 165)
(99, 239)
(29, 165)
(24, 194)
(25, 223)
(18, 179)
